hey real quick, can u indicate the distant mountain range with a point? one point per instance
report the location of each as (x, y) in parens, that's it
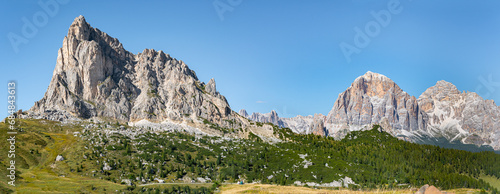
(96, 78)
(442, 115)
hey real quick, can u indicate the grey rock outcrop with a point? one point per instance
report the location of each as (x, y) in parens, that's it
(59, 158)
(96, 77)
(106, 166)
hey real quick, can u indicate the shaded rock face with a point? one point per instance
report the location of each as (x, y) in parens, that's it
(463, 116)
(96, 77)
(375, 99)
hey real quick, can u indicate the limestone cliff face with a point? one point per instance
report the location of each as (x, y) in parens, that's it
(375, 99)
(442, 111)
(317, 126)
(96, 77)
(461, 116)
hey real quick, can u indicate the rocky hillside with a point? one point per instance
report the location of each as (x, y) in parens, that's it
(95, 77)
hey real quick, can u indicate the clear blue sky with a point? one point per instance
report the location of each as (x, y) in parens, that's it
(266, 55)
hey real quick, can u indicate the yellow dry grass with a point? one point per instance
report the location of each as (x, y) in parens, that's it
(265, 189)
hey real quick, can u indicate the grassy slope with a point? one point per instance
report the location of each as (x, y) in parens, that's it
(40, 173)
(491, 180)
(38, 145)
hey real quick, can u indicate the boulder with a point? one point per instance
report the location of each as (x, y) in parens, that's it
(59, 158)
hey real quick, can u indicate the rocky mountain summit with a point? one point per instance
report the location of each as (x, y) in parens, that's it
(441, 115)
(95, 77)
(375, 99)
(440, 112)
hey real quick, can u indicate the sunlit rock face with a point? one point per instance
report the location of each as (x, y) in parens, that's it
(463, 116)
(96, 77)
(442, 111)
(375, 99)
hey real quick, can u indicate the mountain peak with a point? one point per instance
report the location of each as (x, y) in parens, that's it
(445, 83)
(211, 88)
(79, 28)
(374, 84)
(80, 18)
(374, 99)
(441, 89)
(368, 76)
(243, 113)
(95, 77)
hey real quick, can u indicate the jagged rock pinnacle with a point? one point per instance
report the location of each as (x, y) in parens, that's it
(96, 77)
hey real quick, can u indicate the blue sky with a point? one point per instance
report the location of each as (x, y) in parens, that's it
(281, 55)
